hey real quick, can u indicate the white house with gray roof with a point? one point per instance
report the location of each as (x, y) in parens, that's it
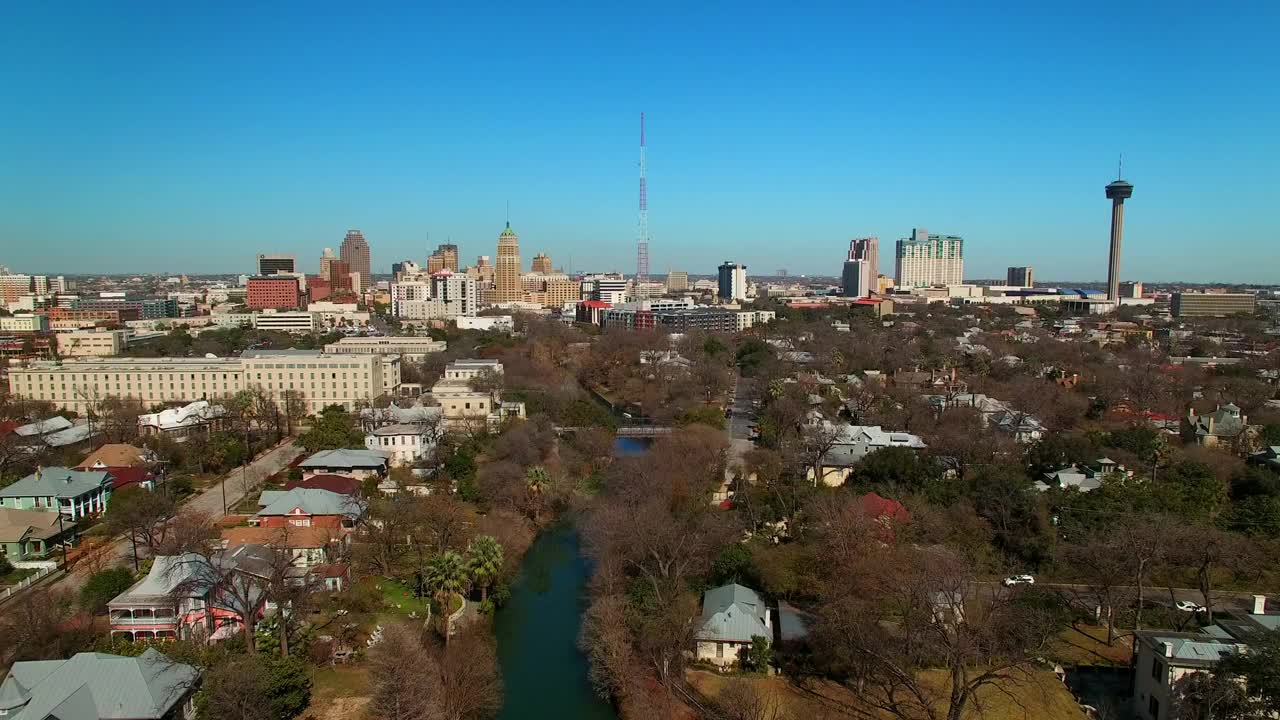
(358, 464)
(74, 493)
(731, 616)
(97, 686)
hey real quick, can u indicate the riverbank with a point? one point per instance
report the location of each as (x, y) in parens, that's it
(544, 672)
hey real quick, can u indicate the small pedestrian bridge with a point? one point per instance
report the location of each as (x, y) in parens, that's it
(635, 431)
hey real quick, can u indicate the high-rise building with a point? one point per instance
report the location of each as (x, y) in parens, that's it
(1131, 290)
(1020, 277)
(677, 281)
(542, 264)
(448, 254)
(273, 291)
(855, 281)
(326, 258)
(1117, 193)
(13, 287)
(506, 277)
(435, 263)
(924, 259)
(273, 264)
(355, 253)
(732, 285)
(403, 269)
(867, 249)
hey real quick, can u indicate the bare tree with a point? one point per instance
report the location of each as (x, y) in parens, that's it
(402, 690)
(1107, 572)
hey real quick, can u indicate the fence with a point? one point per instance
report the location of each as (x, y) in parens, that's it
(26, 583)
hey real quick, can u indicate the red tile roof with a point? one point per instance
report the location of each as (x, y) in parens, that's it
(333, 483)
(125, 476)
(882, 508)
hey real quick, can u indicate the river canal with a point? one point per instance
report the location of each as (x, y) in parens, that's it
(544, 674)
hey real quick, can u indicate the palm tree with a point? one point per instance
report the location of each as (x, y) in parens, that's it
(484, 557)
(446, 576)
(537, 479)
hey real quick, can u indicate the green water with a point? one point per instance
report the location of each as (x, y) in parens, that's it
(544, 674)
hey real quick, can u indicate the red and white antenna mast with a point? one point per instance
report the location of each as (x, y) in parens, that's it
(642, 242)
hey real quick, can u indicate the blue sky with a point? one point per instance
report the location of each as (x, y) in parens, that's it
(178, 138)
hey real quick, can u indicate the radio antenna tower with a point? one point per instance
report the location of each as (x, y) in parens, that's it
(642, 243)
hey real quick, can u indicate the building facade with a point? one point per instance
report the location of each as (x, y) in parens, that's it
(506, 279)
(273, 292)
(855, 280)
(926, 259)
(677, 281)
(354, 251)
(92, 343)
(413, 348)
(732, 285)
(1193, 304)
(272, 264)
(866, 249)
(542, 264)
(1020, 277)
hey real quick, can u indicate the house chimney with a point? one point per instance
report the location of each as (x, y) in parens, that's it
(1167, 648)
(1259, 604)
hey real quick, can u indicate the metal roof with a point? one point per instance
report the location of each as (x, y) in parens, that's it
(57, 482)
(96, 686)
(733, 613)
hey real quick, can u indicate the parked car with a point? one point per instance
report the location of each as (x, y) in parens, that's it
(1019, 580)
(1188, 606)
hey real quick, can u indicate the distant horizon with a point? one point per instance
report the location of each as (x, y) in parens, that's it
(185, 138)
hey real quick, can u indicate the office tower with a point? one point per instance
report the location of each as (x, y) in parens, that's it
(855, 281)
(340, 278)
(277, 292)
(506, 277)
(355, 253)
(40, 284)
(607, 287)
(732, 284)
(456, 292)
(867, 249)
(1117, 193)
(542, 264)
(273, 264)
(435, 263)
(1131, 290)
(448, 253)
(326, 258)
(1020, 277)
(924, 259)
(677, 281)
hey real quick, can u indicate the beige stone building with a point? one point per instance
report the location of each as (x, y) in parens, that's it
(92, 343)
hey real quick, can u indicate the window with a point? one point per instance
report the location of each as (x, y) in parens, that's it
(1157, 670)
(1153, 708)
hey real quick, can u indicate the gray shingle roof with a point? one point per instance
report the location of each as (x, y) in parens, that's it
(96, 686)
(345, 458)
(57, 482)
(733, 613)
(43, 427)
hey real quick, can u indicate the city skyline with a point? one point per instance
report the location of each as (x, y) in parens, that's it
(776, 157)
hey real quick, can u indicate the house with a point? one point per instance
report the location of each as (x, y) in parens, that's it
(28, 538)
(94, 686)
(340, 484)
(464, 405)
(117, 455)
(330, 577)
(405, 444)
(309, 546)
(37, 430)
(358, 464)
(1081, 477)
(180, 597)
(731, 616)
(126, 463)
(426, 417)
(1270, 457)
(1223, 425)
(852, 444)
(74, 493)
(306, 508)
(199, 416)
(995, 413)
(1165, 662)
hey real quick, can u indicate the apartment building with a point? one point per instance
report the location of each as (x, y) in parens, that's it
(321, 379)
(926, 259)
(280, 292)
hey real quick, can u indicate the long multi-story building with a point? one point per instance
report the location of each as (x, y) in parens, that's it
(605, 287)
(301, 321)
(25, 323)
(320, 378)
(413, 348)
(1195, 304)
(444, 295)
(506, 278)
(92, 343)
(354, 251)
(14, 286)
(732, 285)
(926, 259)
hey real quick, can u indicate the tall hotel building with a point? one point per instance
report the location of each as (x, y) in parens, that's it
(924, 259)
(354, 251)
(506, 277)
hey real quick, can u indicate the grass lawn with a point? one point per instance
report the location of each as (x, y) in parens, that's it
(1085, 644)
(1042, 697)
(16, 576)
(399, 599)
(339, 693)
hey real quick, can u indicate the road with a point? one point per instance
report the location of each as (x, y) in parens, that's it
(1154, 594)
(209, 502)
(739, 427)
